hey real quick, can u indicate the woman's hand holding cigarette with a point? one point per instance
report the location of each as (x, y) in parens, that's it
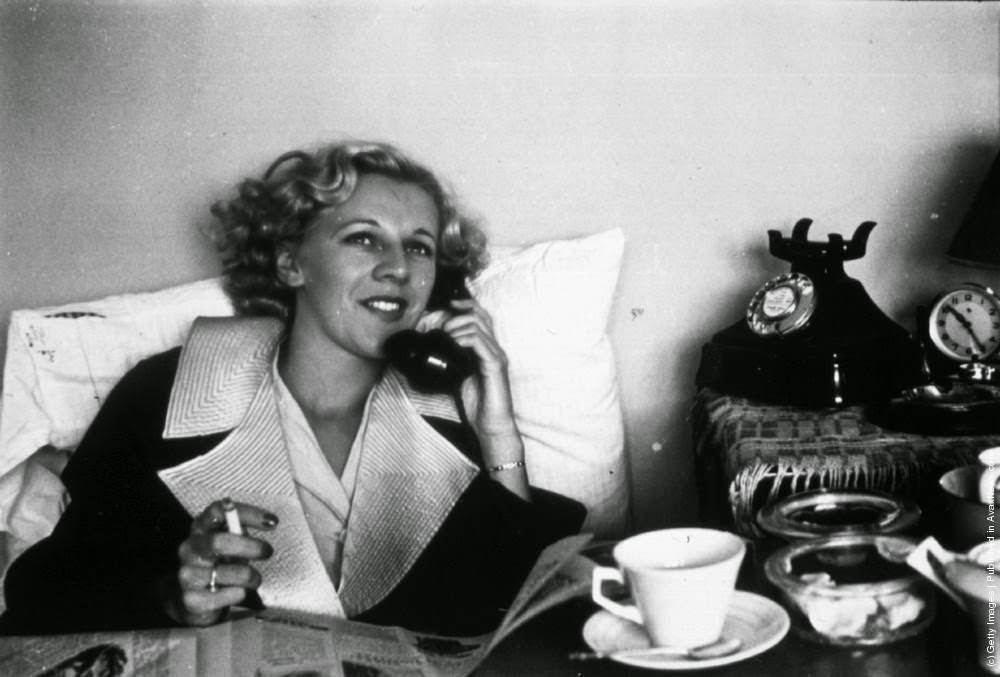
(215, 571)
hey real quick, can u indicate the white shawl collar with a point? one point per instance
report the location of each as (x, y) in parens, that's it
(408, 480)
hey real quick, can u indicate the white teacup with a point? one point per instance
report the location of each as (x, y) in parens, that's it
(989, 472)
(973, 579)
(682, 581)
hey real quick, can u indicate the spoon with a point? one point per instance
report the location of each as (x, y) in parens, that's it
(716, 649)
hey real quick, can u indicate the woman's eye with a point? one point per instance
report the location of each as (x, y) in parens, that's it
(363, 239)
(421, 249)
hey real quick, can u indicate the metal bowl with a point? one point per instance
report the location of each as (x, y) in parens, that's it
(825, 512)
(852, 590)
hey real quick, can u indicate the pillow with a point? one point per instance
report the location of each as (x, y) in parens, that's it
(550, 303)
(61, 363)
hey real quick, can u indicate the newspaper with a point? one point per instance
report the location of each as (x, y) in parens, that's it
(166, 653)
(259, 646)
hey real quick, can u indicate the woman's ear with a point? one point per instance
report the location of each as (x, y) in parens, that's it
(288, 268)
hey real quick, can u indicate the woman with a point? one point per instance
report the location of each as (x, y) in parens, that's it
(358, 495)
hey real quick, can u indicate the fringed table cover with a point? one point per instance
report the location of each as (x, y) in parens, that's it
(757, 453)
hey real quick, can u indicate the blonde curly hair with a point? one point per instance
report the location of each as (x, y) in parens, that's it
(274, 212)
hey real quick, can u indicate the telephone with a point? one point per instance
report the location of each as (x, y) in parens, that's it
(813, 336)
(432, 361)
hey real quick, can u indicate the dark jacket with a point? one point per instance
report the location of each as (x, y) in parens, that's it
(115, 547)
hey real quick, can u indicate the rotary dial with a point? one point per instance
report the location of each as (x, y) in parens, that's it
(965, 323)
(782, 305)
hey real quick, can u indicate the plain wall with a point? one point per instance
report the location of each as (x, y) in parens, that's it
(695, 126)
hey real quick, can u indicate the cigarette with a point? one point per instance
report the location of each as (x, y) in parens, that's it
(232, 517)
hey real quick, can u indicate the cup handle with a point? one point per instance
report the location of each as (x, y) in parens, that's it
(603, 574)
(987, 484)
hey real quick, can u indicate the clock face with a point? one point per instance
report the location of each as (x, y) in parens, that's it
(782, 305)
(965, 323)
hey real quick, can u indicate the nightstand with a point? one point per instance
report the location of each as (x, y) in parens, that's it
(748, 454)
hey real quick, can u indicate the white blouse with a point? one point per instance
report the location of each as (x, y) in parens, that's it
(326, 499)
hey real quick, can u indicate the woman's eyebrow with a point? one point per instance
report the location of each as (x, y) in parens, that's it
(375, 224)
(361, 221)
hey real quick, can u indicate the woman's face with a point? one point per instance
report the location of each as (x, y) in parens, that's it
(366, 267)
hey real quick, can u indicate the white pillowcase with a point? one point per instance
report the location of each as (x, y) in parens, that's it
(550, 303)
(63, 361)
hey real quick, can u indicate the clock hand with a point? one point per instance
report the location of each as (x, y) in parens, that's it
(962, 320)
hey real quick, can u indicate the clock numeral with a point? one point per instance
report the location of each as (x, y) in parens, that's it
(968, 297)
(954, 300)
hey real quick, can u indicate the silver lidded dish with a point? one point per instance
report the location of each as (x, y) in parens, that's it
(852, 590)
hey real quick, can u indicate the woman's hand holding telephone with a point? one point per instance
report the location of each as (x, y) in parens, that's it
(487, 398)
(215, 571)
(443, 360)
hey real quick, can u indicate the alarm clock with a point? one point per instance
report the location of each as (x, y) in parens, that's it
(960, 335)
(963, 326)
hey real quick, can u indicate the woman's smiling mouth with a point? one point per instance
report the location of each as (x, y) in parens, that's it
(389, 308)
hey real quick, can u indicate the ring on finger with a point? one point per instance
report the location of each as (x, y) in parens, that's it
(213, 580)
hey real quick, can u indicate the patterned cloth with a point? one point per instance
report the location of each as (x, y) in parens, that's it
(757, 453)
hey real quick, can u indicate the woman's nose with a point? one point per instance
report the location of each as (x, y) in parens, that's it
(393, 264)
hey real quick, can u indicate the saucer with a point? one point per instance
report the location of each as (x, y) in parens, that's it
(757, 621)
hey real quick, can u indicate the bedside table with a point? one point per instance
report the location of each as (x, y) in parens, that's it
(748, 454)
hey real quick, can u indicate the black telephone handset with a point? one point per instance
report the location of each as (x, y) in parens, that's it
(432, 361)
